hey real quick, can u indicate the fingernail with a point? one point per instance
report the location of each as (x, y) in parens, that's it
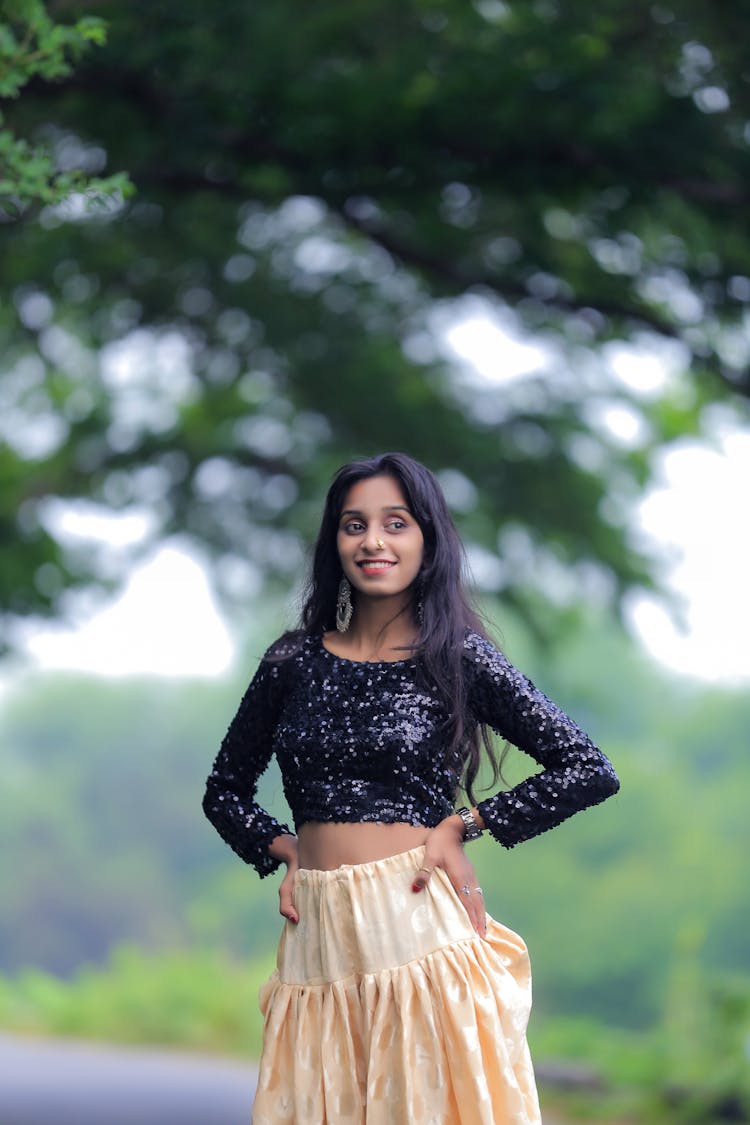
(293, 918)
(415, 887)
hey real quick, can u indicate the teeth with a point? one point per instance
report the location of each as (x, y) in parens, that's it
(376, 565)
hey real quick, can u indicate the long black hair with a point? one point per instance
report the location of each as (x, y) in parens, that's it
(446, 613)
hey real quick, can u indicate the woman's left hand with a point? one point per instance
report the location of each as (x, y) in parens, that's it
(444, 849)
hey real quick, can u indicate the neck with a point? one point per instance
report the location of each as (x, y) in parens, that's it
(379, 624)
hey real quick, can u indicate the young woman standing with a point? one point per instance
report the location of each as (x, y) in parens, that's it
(397, 1000)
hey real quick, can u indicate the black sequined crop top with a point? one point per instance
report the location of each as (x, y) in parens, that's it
(361, 741)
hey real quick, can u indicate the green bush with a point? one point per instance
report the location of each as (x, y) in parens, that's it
(691, 1068)
(191, 999)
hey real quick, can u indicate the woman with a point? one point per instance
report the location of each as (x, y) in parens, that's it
(396, 999)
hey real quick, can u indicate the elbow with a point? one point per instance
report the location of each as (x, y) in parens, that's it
(595, 775)
(596, 778)
(607, 782)
(610, 787)
(208, 804)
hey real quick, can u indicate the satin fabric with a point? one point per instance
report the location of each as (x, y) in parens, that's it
(387, 1008)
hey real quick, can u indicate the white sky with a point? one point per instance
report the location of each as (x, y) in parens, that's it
(694, 516)
(700, 515)
(167, 622)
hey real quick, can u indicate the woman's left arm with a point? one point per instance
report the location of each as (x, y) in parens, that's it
(576, 773)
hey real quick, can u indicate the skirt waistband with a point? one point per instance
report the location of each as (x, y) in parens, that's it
(365, 918)
(402, 862)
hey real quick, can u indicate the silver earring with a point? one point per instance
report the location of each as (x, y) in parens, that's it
(344, 607)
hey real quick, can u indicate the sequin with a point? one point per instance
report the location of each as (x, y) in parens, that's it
(362, 742)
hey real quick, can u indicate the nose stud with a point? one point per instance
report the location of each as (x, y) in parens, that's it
(381, 544)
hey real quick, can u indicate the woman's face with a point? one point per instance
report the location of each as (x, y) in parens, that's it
(375, 511)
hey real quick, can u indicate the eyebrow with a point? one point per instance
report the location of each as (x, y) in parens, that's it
(388, 508)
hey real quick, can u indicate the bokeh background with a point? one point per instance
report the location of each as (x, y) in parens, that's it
(241, 243)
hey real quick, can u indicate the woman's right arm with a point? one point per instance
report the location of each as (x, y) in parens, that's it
(229, 801)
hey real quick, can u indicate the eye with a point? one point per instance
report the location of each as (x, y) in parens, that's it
(395, 524)
(353, 527)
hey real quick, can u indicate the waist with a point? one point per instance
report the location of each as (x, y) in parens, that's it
(324, 846)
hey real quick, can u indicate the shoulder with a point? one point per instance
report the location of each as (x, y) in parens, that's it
(479, 650)
(290, 654)
(282, 661)
(289, 644)
(486, 667)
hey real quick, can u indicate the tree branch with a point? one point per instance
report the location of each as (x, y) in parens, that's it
(439, 267)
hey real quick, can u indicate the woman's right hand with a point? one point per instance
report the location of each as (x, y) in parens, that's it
(286, 849)
(445, 849)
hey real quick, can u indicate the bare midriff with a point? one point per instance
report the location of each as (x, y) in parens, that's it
(326, 846)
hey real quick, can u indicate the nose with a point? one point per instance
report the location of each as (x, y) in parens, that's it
(370, 540)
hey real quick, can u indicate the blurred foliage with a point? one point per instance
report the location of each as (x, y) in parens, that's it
(706, 1076)
(190, 998)
(125, 917)
(100, 808)
(32, 46)
(588, 1070)
(320, 192)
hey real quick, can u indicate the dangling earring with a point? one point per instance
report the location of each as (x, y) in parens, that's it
(344, 607)
(419, 603)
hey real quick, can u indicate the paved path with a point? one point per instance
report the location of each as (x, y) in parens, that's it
(65, 1082)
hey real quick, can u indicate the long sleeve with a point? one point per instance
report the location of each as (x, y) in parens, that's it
(576, 774)
(229, 801)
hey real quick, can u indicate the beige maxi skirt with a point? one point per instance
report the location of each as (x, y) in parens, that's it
(387, 1008)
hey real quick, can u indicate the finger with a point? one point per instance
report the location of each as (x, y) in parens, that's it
(475, 905)
(463, 890)
(286, 904)
(473, 902)
(478, 897)
(422, 878)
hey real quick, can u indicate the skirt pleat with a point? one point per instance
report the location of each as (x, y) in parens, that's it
(387, 1008)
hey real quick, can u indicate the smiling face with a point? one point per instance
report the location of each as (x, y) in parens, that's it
(375, 511)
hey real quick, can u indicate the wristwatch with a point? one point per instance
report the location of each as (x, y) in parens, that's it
(472, 831)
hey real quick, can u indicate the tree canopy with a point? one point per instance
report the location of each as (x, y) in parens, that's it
(318, 190)
(33, 45)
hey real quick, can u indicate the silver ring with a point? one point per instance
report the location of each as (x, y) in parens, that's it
(466, 889)
(479, 891)
(429, 870)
